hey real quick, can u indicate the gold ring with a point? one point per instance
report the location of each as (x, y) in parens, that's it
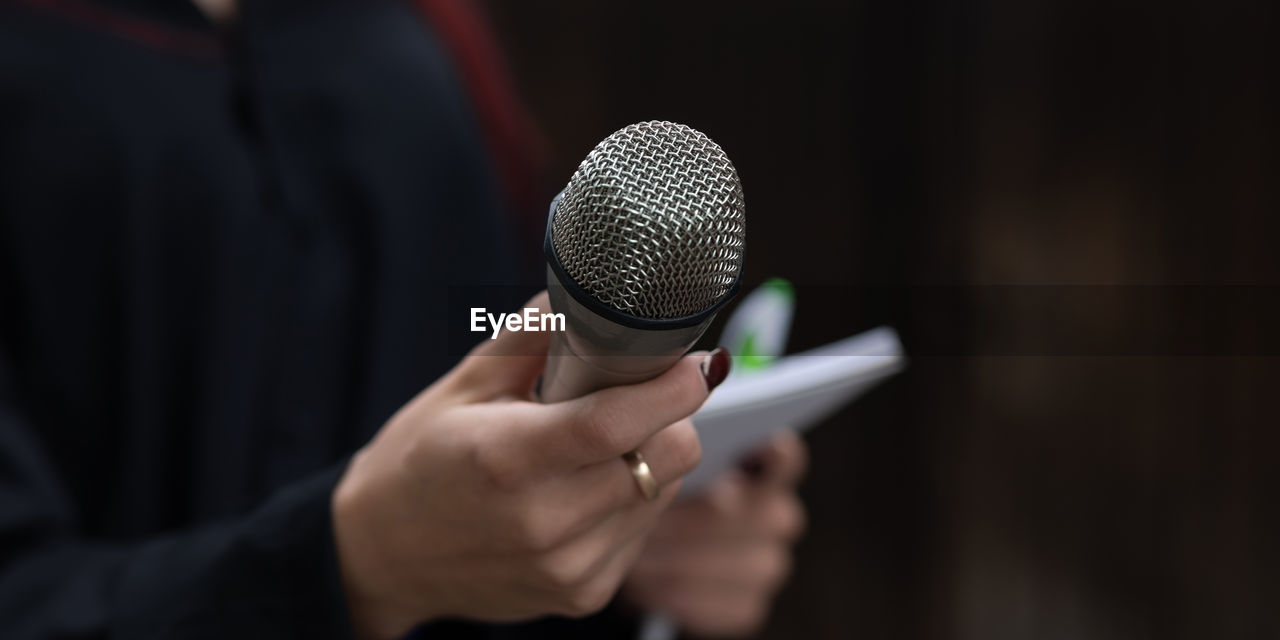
(644, 477)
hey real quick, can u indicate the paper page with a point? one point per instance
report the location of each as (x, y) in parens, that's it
(797, 392)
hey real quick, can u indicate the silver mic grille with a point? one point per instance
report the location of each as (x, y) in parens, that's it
(653, 222)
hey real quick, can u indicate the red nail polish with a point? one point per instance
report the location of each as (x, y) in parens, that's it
(716, 368)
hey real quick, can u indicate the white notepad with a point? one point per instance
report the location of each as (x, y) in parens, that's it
(796, 392)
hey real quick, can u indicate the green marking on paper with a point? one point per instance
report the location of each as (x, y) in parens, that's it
(780, 286)
(749, 356)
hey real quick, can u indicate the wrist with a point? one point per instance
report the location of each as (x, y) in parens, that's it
(375, 606)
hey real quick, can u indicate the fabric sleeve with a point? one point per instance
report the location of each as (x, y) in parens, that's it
(270, 574)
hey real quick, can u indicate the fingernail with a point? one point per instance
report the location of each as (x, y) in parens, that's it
(715, 368)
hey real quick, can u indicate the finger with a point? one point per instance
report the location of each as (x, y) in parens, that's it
(608, 423)
(605, 582)
(604, 553)
(508, 365)
(669, 454)
(605, 503)
(749, 565)
(782, 461)
(625, 529)
(756, 513)
(712, 613)
(704, 611)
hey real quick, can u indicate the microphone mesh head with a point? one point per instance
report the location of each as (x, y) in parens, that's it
(653, 222)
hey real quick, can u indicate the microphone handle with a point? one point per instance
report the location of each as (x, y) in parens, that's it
(594, 352)
(570, 374)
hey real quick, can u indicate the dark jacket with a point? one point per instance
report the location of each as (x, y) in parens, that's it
(222, 261)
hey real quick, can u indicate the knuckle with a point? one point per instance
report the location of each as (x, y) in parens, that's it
(468, 376)
(587, 600)
(418, 453)
(596, 429)
(498, 467)
(692, 391)
(539, 535)
(686, 447)
(787, 518)
(556, 573)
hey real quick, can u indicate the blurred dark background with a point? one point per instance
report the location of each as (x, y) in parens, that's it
(1069, 211)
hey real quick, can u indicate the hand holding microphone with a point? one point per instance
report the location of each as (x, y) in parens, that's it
(643, 246)
(474, 501)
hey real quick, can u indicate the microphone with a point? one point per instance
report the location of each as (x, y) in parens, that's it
(643, 246)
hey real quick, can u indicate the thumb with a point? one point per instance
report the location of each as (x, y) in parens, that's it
(509, 364)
